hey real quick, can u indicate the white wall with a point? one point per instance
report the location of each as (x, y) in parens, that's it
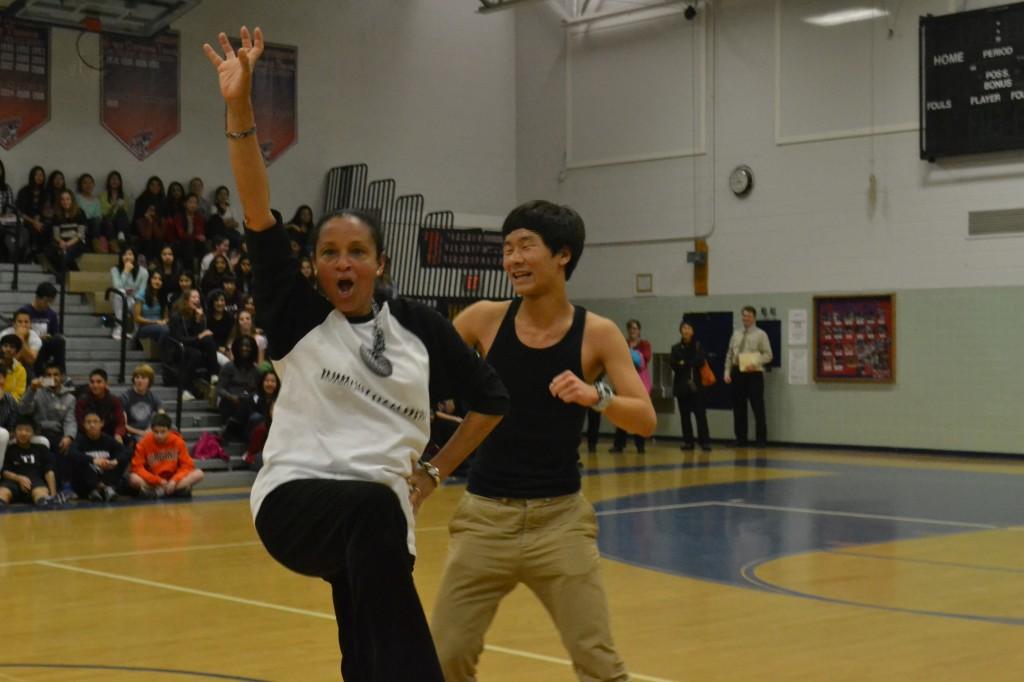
(811, 223)
(421, 91)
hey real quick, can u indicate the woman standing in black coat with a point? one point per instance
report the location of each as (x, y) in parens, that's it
(687, 359)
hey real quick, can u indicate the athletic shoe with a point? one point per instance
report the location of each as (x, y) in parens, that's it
(187, 396)
(615, 451)
(116, 334)
(686, 446)
(109, 494)
(147, 493)
(95, 496)
(184, 493)
(706, 447)
(48, 502)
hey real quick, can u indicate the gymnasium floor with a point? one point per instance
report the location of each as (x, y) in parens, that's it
(741, 565)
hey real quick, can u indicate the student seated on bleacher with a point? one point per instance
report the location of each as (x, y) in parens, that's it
(152, 314)
(100, 400)
(46, 323)
(14, 373)
(27, 470)
(239, 379)
(68, 227)
(188, 327)
(161, 466)
(52, 405)
(139, 402)
(98, 462)
(31, 343)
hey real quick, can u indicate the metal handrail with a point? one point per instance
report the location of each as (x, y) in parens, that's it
(181, 362)
(16, 255)
(124, 325)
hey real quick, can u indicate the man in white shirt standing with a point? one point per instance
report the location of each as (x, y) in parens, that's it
(749, 351)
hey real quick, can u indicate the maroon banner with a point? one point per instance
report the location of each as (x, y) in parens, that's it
(24, 81)
(139, 101)
(274, 97)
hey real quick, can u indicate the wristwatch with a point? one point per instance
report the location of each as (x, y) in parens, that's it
(431, 471)
(605, 395)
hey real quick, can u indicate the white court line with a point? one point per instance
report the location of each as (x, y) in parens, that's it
(139, 552)
(859, 515)
(163, 550)
(663, 507)
(188, 590)
(302, 612)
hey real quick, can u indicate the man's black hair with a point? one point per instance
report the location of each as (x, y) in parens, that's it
(559, 228)
(46, 290)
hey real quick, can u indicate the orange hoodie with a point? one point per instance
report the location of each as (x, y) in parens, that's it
(158, 463)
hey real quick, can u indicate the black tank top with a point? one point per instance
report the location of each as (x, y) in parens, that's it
(533, 451)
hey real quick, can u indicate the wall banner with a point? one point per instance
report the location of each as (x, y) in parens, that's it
(139, 95)
(24, 81)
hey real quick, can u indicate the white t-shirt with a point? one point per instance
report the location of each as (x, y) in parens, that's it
(367, 428)
(34, 341)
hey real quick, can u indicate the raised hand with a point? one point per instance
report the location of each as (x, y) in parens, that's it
(235, 70)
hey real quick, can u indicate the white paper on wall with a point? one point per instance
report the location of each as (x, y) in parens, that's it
(797, 366)
(797, 327)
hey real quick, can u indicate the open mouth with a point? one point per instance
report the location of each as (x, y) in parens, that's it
(345, 286)
(518, 277)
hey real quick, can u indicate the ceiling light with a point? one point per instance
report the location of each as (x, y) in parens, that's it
(847, 16)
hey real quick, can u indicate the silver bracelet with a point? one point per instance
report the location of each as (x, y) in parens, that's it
(431, 471)
(240, 135)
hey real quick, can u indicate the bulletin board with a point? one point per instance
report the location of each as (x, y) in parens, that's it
(855, 338)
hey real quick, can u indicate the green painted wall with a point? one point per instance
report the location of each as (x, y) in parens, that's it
(959, 380)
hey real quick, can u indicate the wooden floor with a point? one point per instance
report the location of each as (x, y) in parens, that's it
(745, 565)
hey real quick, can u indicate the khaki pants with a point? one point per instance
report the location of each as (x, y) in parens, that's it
(550, 545)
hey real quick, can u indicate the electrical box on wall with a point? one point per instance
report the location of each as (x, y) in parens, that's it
(644, 284)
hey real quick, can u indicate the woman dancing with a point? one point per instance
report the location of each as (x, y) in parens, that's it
(342, 476)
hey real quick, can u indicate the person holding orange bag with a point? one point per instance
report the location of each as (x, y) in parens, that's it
(687, 360)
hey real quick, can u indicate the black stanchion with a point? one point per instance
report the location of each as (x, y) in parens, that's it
(123, 322)
(180, 347)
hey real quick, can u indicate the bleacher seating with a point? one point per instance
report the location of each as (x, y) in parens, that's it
(89, 345)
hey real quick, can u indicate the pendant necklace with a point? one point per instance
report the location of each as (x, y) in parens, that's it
(373, 357)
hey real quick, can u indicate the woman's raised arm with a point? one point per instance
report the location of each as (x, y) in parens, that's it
(235, 74)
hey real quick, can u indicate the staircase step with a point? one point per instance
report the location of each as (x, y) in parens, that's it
(85, 281)
(24, 267)
(27, 278)
(111, 353)
(228, 479)
(97, 262)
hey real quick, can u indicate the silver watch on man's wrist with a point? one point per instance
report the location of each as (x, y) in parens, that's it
(605, 395)
(431, 471)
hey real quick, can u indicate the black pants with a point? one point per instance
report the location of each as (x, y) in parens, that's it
(199, 355)
(353, 535)
(693, 403)
(54, 351)
(748, 386)
(620, 440)
(84, 478)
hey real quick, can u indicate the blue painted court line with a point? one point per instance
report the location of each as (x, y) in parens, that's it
(749, 574)
(120, 668)
(929, 562)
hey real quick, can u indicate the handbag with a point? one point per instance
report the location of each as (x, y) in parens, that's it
(707, 375)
